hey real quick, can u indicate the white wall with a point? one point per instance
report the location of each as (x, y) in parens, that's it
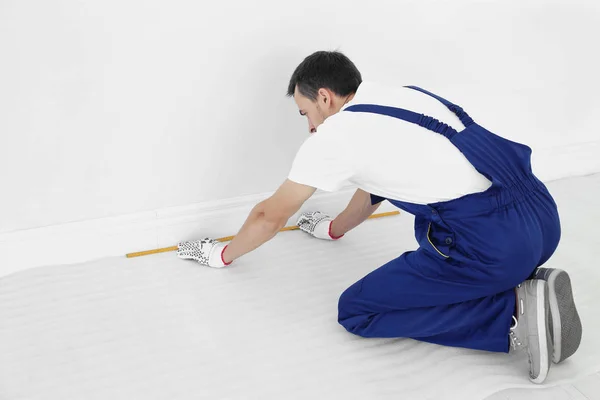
(112, 107)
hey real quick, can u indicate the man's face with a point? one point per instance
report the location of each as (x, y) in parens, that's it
(315, 111)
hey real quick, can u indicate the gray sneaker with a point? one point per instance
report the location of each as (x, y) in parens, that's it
(566, 324)
(530, 331)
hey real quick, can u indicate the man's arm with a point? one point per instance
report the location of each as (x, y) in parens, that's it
(267, 218)
(357, 211)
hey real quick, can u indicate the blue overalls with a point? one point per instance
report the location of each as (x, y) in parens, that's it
(457, 288)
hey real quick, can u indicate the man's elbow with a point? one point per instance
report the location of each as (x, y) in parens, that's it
(271, 219)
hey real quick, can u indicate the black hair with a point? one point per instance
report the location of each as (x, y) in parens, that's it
(325, 69)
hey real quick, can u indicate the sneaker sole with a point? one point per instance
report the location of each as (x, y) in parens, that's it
(542, 294)
(566, 324)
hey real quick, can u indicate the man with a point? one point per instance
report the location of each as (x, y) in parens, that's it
(483, 221)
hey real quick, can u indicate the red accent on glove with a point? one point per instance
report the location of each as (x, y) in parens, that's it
(330, 235)
(222, 259)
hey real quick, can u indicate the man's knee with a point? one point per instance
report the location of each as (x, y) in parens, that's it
(350, 315)
(347, 303)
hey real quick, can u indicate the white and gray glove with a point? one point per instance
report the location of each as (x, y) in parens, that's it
(206, 252)
(317, 224)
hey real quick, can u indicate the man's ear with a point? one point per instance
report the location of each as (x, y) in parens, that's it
(326, 95)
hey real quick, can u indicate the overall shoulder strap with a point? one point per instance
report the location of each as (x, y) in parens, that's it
(457, 110)
(409, 116)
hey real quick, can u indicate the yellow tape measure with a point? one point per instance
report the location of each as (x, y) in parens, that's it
(228, 238)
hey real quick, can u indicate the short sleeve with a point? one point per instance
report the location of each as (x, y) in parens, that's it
(323, 162)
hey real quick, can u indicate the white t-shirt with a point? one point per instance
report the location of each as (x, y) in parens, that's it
(387, 156)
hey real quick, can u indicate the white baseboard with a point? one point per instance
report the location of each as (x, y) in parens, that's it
(116, 236)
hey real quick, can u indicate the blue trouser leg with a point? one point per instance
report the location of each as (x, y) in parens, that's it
(404, 299)
(468, 299)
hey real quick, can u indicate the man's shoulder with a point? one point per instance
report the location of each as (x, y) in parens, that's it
(336, 127)
(373, 92)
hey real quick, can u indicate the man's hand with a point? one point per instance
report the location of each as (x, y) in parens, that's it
(317, 224)
(263, 223)
(206, 252)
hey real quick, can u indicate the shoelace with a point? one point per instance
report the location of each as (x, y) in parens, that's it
(515, 342)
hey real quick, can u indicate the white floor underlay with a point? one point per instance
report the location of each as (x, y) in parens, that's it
(158, 327)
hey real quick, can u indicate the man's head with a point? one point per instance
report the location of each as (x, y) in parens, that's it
(322, 84)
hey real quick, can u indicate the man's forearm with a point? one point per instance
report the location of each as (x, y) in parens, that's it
(357, 211)
(255, 232)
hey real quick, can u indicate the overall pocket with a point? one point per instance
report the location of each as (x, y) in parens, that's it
(439, 239)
